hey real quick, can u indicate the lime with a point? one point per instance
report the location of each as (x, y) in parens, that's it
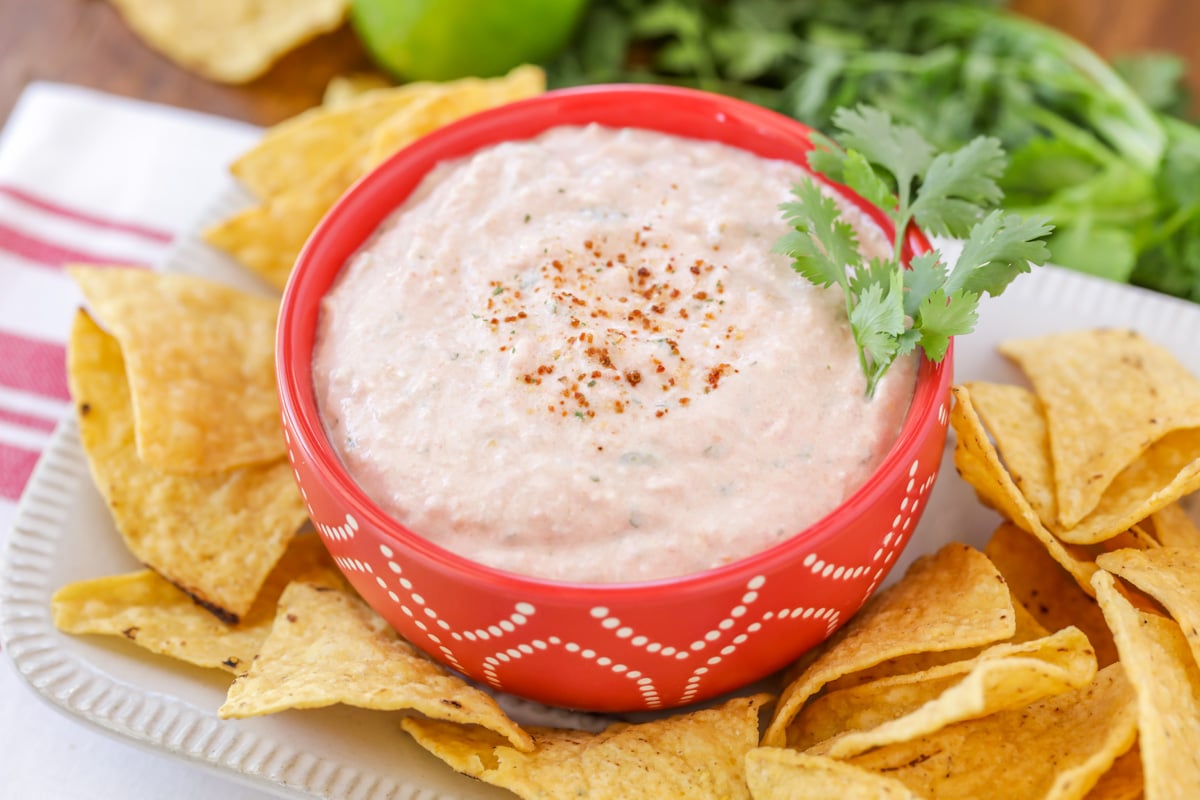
(445, 39)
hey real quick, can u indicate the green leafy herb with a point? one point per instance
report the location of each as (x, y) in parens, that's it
(1100, 149)
(893, 310)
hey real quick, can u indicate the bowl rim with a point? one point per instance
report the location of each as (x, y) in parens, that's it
(360, 211)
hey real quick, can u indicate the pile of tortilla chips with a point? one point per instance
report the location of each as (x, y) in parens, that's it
(1060, 662)
(232, 41)
(178, 417)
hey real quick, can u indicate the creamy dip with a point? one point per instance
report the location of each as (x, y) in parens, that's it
(575, 357)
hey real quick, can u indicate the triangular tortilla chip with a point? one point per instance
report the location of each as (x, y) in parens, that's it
(1015, 418)
(1108, 395)
(215, 536)
(1123, 781)
(775, 773)
(233, 41)
(979, 465)
(1047, 590)
(1167, 470)
(1171, 575)
(200, 359)
(434, 109)
(852, 721)
(268, 237)
(946, 601)
(1156, 657)
(296, 150)
(1027, 629)
(696, 755)
(154, 614)
(327, 646)
(1054, 749)
(1173, 527)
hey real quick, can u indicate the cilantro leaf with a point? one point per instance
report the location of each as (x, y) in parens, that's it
(900, 149)
(998, 249)
(925, 274)
(958, 186)
(860, 176)
(893, 310)
(876, 271)
(942, 316)
(826, 244)
(827, 157)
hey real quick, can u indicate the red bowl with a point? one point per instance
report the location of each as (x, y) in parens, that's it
(602, 647)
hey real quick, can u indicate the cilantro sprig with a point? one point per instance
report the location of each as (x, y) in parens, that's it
(893, 310)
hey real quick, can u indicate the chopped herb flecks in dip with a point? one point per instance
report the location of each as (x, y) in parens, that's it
(576, 357)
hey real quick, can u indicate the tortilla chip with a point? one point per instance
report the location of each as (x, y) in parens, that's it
(1056, 748)
(1108, 395)
(1135, 538)
(215, 536)
(852, 721)
(342, 90)
(1027, 629)
(434, 109)
(154, 614)
(1158, 660)
(327, 646)
(327, 156)
(1168, 469)
(267, 238)
(297, 150)
(1173, 527)
(695, 755)
(946, 601)
(233, 41)
(1015, 418)
(1123, 781)
(1047, 590)
(1165, 472)
(200, 360)
(979, 465)
(1171, 576)
(774, 773)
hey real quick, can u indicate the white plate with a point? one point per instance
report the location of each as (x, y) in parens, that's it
(63, 533)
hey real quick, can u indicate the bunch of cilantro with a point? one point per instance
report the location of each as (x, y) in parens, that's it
(893, 310)
(1101, 151)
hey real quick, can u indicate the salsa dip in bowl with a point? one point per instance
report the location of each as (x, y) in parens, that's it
(569, 425)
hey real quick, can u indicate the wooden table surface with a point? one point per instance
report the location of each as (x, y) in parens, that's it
(85, 42)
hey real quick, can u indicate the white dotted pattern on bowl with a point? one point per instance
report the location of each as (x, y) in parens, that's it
(721, 640)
